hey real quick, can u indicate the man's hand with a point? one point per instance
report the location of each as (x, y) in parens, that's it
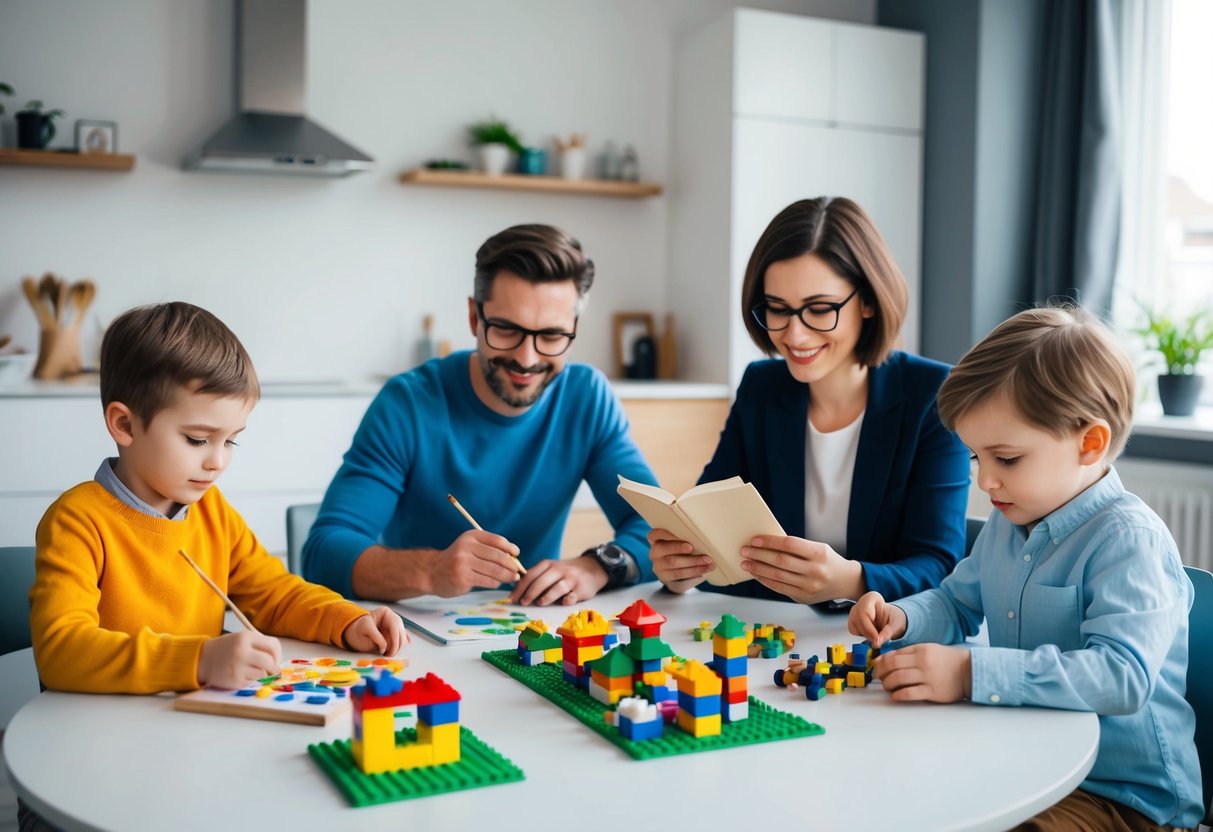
(476, 560)
(926, 672)
(380, 631)
(876, 620)
(674, 561)
(564, 581)
(804, 570)
(234, 660)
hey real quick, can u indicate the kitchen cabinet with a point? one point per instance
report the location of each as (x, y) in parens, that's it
(771, 108)
(295, 441)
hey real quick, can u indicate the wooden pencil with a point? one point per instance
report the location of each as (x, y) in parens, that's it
(517, 563)
(248, 625)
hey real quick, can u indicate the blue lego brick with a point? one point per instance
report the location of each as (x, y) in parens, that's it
(439, 714)
(699, 705)
(729, 667)
(637, 731)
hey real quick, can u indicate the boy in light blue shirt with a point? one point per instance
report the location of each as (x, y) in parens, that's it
(1082, 587)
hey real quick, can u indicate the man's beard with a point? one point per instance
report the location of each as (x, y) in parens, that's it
(503, 387)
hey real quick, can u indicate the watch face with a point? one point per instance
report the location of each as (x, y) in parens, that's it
(609, 556)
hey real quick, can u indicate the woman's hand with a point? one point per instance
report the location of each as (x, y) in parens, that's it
(675, 562)
(803, 570)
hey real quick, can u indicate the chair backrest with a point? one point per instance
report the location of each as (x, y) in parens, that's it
(1200, 677)
(16, 577)
(973, 527)
(299, 520)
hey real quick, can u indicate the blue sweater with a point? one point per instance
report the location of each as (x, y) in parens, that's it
(426, 434)
(906, 522)
(1089, 612)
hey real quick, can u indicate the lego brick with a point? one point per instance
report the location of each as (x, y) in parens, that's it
(736, 711)
(730, 667)
(438, 714)
(698, 706)
(702, 726)
(834, 685)
(765, 724)
(479, 765)
(856, 679)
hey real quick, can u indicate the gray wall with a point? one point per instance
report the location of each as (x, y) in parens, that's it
(983, 78)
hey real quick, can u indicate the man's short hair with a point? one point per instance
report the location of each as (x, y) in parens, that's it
(841, 233)
(149, 352)
(1058, 366)
(538, 253)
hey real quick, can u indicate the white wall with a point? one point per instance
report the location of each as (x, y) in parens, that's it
(330, 278)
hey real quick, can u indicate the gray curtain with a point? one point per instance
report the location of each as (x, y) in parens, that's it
(1078, 193)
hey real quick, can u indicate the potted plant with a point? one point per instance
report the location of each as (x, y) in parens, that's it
(495, 140)
(36, 128)
(1180, 343)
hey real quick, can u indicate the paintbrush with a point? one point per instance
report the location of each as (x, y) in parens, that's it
(517, 563)
(248, 625)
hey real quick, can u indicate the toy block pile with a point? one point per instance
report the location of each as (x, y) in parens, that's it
(839, 671)
(770, 641)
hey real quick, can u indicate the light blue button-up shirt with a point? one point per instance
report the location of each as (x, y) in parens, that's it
(1089, 612)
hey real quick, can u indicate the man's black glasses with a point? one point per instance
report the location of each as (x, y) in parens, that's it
(549, 342)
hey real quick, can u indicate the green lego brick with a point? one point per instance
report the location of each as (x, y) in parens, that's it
(765, 724)
(479, 765)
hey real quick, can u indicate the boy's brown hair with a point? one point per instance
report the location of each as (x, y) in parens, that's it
(1059, 367)
(150, 352)
(841, 233)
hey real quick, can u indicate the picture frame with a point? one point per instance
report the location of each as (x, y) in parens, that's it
(96, 136)
(627, 327)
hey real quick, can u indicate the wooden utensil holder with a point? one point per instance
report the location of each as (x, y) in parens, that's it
(58, 353)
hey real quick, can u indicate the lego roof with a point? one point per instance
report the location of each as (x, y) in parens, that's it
(730, 627)
(640, 614)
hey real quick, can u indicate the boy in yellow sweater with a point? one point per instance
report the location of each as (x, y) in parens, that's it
(114, 608)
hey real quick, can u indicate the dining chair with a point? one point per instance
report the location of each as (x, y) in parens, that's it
(973, 527)
(16, 658)
(1200, 677)
(299, 520)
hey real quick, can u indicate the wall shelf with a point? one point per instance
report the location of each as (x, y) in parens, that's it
(66, 159)
(519, 182)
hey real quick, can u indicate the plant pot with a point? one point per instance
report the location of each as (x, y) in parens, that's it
(572, 163)
(34, 130)
(532, 160)
(494, 158)
(1179, 394)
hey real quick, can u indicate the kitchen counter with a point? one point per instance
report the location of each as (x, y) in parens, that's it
(87, 387)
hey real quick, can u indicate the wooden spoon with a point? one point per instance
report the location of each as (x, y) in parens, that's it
(34, 296)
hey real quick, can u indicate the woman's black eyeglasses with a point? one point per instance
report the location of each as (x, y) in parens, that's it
(819, 316)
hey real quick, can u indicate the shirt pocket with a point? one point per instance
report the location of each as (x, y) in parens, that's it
(1050, 615)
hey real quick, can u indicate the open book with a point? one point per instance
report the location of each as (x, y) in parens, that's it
(718, 518)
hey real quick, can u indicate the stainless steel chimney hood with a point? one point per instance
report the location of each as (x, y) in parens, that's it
(270, 134)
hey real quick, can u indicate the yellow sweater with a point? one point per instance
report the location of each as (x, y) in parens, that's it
(115, 609)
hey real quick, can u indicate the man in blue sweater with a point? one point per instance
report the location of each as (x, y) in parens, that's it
(510, 429)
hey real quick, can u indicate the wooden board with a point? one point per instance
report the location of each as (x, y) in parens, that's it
(529, 182)
(66, 159)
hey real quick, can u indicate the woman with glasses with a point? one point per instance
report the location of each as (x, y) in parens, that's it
(839, 433)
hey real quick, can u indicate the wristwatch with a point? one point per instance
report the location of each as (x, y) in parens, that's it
(615, 560)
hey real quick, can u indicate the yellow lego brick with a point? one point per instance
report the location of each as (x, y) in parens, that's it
(704, 726)
(694, 678)
(443, 741)
(730, 648)
(584, 623)
(856, 679)
(377, 750)
(833, 685)
(553, 656)
(822, 667)
(654, 677)
(838, 654)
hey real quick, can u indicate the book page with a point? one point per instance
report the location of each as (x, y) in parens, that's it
(654, 505)
(729, 518)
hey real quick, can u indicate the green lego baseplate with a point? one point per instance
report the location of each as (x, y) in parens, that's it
(479, 765)
(764, 723)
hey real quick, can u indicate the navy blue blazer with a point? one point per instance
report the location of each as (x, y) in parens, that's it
(908, 495)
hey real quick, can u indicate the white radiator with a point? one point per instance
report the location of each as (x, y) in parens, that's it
(1183, 497)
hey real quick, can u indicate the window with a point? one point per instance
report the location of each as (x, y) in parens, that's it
(1166, 258)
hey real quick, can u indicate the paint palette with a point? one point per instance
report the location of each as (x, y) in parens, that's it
(305, 691)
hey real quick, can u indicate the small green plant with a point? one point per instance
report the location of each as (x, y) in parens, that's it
(35, 106)
(6, 89)
(1180, 342)
(494, 131)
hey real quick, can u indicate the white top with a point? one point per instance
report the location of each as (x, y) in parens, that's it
(829, 466)
(131, 763)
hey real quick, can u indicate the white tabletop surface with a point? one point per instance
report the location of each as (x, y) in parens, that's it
(133, 763)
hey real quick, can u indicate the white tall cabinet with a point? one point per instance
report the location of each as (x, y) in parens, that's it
(771, 108)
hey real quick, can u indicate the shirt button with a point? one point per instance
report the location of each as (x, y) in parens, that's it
(1027, 557)
(1010, 613)
(995, 698)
